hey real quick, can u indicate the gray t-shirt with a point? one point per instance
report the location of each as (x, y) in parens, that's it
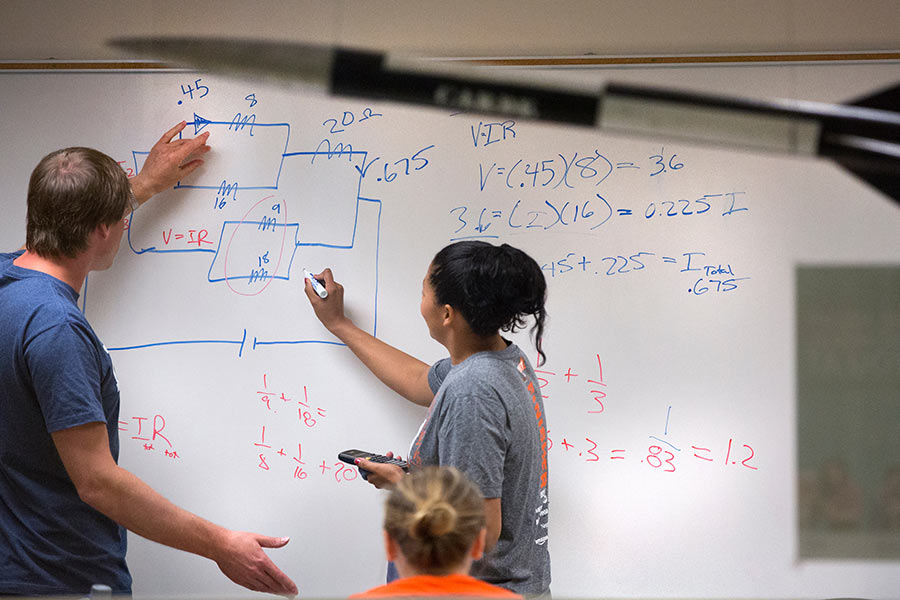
(487, 420)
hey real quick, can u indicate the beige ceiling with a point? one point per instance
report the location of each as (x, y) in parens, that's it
(72, 30)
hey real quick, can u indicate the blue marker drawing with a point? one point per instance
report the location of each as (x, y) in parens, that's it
(240, 343)
(267, 143)
(245, 256)
(258, 249)
(662, 441)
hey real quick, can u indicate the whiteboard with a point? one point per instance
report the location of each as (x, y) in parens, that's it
(670, 383)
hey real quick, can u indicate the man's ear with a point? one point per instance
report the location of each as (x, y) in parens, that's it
(103, 231)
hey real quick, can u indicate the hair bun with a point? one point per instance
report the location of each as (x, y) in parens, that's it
(434, 520)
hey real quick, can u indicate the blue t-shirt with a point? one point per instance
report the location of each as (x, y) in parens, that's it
(54, 374)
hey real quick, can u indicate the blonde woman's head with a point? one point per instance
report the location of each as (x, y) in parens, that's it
(435, 518)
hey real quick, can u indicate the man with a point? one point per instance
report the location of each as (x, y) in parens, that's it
(64, 501)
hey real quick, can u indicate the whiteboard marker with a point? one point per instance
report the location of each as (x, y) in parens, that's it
(316, 284)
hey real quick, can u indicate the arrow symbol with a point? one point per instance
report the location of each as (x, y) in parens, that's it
(200, 123)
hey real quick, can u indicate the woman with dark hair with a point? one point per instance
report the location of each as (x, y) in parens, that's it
(433, 530)
(485, 412)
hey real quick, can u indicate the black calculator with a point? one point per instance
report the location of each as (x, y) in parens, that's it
(350, 456)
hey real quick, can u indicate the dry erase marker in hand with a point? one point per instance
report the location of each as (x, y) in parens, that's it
(316, 284)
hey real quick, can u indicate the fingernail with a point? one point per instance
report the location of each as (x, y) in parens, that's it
(356, 461)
